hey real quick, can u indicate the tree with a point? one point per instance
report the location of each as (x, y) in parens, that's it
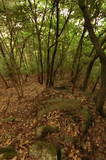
(99, 51)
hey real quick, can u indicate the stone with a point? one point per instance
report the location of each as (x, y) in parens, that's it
(61, 104)
(43, 151)
(43, 131)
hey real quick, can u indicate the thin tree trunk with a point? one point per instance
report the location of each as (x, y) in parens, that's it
(76, 61)
(56, 45)
(94, 87)
(38, 31)
(77, 54)
(50, 66)
(90, 65)
(88, 72)
(48, 47)
(5, 82)
(102, 92)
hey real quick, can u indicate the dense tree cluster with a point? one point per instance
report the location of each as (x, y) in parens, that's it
(50, 37)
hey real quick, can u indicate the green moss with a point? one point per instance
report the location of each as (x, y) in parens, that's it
(62, 104)
(42, 148)
(42, 131)
(85, 114)
(49, 129)
(8, 152)
(71, 107)
(51, 148)
(87, 119)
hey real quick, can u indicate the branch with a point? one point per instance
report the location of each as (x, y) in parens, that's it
(90, 29)
(62, 27)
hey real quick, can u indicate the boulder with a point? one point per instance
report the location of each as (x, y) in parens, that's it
(43, 131)
(43, 151)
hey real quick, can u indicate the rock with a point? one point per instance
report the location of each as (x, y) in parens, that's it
(7, 153)
(44, 151)
(43, 131)
(70, 106)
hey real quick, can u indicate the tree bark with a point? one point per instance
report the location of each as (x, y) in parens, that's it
(56, 45)
(99, 51)
(5, 82)
(76, 61)
(88, 72)
(94, 87)
(38, 31)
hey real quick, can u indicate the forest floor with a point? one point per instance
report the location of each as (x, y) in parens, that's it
(19, 119)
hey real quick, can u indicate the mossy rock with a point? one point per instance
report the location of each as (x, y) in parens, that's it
(7, 153)
(71, 107)
(62, 104)
(43, 151)
(43, 131)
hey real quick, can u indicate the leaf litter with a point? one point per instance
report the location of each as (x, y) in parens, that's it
(20, 119)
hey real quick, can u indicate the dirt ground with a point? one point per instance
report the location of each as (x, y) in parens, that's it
(18, 121)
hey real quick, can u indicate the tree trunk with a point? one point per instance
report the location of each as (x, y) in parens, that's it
(88, 72)
(5, 82)
(50, 84)
(102, 92)
(77, 56)
(99, 51)
(94, 87)
(76, 61)
(48, 46)
(38, 32)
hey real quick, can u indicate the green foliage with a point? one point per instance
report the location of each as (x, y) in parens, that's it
(26, 23)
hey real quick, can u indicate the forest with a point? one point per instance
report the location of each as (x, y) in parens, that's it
(53, 79)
